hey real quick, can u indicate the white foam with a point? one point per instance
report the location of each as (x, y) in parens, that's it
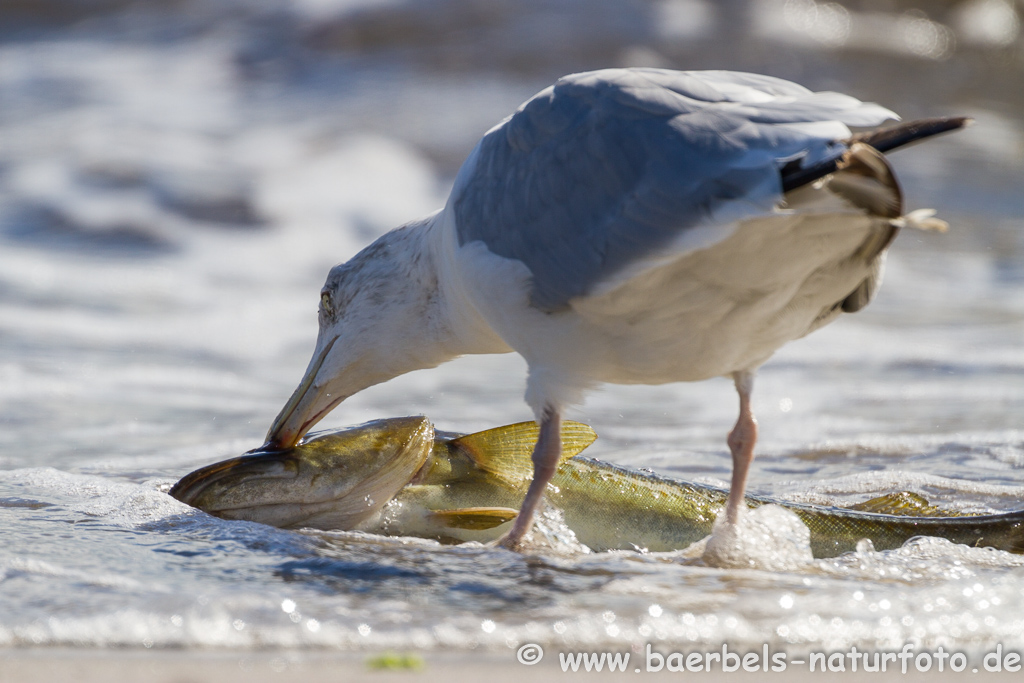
(11, 567)
(551, 536)
(919, 559)
(770, 538)
(116, 503)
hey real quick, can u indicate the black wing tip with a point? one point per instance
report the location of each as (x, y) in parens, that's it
(884, 140)
(903, 133)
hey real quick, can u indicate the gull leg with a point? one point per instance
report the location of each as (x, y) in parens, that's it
(741, 442)
(546, 454)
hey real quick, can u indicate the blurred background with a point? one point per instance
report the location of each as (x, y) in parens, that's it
(177, 177)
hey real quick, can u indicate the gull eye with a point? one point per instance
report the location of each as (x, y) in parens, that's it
(325, 303)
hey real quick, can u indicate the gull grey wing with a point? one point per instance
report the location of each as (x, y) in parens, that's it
(606, 168)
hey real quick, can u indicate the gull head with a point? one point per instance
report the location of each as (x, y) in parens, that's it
(378, 318)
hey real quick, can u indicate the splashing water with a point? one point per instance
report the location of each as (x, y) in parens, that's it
(172, 195)
(769, 538)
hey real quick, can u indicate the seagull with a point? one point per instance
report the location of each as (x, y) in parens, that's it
(626, 226)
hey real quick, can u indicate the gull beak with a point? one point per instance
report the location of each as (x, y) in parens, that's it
(307, 406)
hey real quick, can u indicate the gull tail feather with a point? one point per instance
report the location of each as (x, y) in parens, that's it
(884, 140)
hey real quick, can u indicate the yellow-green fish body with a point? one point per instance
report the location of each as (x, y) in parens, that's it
(459, 488)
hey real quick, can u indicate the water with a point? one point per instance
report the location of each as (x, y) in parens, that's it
(174, 185)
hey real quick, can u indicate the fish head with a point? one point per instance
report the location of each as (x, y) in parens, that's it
(333, 480)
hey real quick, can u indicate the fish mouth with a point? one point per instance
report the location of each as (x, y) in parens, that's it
(264, 464)
(295, 419)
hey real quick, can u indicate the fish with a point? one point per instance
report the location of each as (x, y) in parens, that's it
(402, 477)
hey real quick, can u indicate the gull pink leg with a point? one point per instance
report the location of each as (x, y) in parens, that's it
(546, 454)
(741, 442)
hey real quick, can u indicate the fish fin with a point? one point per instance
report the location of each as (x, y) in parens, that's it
(506, 451)
(903, 503)
(475, 519)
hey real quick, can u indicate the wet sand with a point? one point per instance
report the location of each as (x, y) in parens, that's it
(113, 666)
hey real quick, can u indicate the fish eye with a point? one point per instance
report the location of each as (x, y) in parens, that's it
(325, 302)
